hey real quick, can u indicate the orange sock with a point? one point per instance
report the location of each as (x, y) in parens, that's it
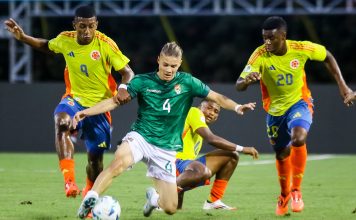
(67, 169)
(89, 184)
(284, 173)
(218, 190)
(298, 161)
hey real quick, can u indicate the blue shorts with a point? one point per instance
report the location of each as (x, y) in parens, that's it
(279, 127)
(96, 130)
(182, 164)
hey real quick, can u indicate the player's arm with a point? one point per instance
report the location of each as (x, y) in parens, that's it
(229, 104)
(242, 83)
(334, 69)
(103, 106)
(19, 34)
(127, 74)
(224, 144)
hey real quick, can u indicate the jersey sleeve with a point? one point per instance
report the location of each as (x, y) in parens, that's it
(134, 86)
(314, 51)
(116, 57)
(199, 89)
(196, 119)
(56, 44)
(253, 64)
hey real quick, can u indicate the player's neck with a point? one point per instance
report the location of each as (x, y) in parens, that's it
(283, 50)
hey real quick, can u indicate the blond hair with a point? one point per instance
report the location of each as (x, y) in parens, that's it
(172, 49)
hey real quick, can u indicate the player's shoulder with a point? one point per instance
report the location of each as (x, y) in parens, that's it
(145, 76)
(301, 45)
(67, 34)
(259, 52)
(103, 38)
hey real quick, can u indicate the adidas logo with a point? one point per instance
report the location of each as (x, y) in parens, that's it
(102, 145)
(297, 115)
(71, 54)
(272, 67)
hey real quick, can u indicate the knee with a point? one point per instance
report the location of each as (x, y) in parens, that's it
(206, 174)
(171, 209)
(62, 122)
(298, 141)
(299, 136)
(234, 158)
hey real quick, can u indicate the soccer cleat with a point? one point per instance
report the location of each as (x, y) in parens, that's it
(282, 205)
(71, 189)
(148, 207)
(87, 204)
(297, 203)
(218, 204)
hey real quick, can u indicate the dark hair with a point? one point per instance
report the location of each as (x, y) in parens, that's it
(172, 49)
(274, 22)
(85, 11)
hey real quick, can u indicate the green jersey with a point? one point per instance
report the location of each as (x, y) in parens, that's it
(163, 106)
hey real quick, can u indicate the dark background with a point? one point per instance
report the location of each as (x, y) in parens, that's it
(216, 49)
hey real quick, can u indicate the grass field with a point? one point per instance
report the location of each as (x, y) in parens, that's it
(31, 187)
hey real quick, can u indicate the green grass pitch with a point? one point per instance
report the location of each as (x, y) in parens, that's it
(31, 187)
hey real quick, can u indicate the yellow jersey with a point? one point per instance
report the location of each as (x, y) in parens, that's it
(192, 142)
(87, 74)
(283, 79)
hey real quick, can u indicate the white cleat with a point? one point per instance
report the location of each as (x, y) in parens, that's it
(87, 204)
(218, 204)
(148, 207)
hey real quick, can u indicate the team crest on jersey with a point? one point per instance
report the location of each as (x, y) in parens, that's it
(294, 64)
(95, 55)
(177, 89)
(70, 102)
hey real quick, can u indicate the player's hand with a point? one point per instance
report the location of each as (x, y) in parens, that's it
(252, 77)
(14, 28)
(246, 107)
(349, 98)
(77, 118)
(122, 96)
(251, 151)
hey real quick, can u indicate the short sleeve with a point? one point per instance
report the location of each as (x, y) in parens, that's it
(199, 89)
(253, 64)
(196, 119)
(116, 57)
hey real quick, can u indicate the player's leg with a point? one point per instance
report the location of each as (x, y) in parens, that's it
(161, 168)
(299, 123)
(168, 197)
(97, 135)
(277, 131)
(64, 145)
(222, 164)
(122, 160)
(190, 174)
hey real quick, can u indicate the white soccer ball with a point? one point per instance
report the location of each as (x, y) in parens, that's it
(106, 208)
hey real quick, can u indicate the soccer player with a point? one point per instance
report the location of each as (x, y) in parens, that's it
(279, 65)
(90, 56)
(193, 171)
(164, 98)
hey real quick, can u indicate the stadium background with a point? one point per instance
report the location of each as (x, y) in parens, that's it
(216, 48)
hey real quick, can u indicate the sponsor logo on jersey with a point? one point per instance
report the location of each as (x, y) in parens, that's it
(272, 67)
(154, 91)
(71, 54)
(294, 64)
(95, 55)
(177, 89)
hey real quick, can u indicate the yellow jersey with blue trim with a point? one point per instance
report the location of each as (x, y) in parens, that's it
(87, 73)
(283, 79)
(192, 141)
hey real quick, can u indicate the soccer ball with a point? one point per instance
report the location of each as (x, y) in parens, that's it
(106, 208)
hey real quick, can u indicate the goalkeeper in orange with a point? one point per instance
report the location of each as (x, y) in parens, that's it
(279, 66)
(193, 171)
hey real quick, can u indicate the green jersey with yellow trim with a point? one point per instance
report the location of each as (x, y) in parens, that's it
(163, 106)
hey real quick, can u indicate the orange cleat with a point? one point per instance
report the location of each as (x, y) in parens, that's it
(282, 205)
(71, 189)
(297, 201)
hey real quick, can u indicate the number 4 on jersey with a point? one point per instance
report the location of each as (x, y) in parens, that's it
(167, 106)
